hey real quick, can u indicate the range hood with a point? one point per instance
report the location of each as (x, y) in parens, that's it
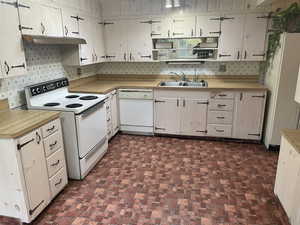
(47, 40)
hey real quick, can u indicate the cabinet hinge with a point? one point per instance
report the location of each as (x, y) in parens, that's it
(202, 103)
(159, 128)
(22, 6)
(258, 96)
(14, 4)
(222, 55)
(24, 28)
(20, 146)
(106, 23)
(263, 55)
(159, 101)
(201, 131)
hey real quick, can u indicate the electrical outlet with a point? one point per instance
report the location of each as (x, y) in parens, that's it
(222, 68)
(79, 71)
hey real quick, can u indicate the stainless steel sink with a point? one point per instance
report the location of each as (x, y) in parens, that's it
(200, 84)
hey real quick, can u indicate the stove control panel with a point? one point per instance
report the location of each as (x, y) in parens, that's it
(48, 86)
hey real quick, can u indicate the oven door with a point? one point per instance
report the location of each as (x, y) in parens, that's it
(91, 128)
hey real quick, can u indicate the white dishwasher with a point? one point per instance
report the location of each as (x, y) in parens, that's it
(136, 110)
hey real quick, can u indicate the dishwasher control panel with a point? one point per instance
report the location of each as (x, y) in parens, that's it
(136, 94)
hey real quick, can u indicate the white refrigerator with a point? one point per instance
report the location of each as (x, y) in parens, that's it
(281, 80)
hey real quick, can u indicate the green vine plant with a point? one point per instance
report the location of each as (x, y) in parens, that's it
(287, 20)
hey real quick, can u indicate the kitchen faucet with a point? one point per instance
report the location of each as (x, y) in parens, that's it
(182, 76)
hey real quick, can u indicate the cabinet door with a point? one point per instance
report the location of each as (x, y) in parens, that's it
(51, 21)
(31, 17)
(194, 117)
(161, 28)
(12, 57)
(98, 41)
(70, 23)
(35, 171)
(139, 41)
(231, 39)
(115, 41)
(112, 8)
(150, 7)
(208, 26)
(86, 32)
(255, 37)
(192, 6)
(230, 5)
(114, 112)
(130, 7)
(167, 116)
(213, 5)
(249, 112)
(183, 27)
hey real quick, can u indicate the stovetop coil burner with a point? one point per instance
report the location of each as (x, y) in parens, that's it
(72, 96)
(76, 105)
(51, 104)
(88, 97)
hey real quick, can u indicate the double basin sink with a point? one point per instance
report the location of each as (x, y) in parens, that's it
(200, 84)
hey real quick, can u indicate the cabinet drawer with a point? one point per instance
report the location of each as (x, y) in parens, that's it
(219, 117)
(58, 182)
(52, 143)
(222, 95)
(50, 128)
(55, 162)
(220, 105)
(214, 130)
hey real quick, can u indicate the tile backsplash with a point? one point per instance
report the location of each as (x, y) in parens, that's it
(43, 64)
(208, 68)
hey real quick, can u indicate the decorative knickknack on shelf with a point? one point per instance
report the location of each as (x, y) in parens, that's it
(287, 20)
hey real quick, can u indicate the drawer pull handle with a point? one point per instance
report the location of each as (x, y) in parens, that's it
(201, 131)
(220, 131)
(202, 103)
(258, 135)
(55, 164)
(221, 105)
(53, 145)
(220, 117)
(59, 182)
(108, 120)
(159, 128)
(222, 95)
(20, 146)
(38, 138)
(51, 129)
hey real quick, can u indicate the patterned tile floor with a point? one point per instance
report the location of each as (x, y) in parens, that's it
(170, 181)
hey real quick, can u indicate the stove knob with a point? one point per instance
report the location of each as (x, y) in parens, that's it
(38, 90)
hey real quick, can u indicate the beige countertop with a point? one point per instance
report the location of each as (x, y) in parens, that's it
(16, 123)
(105, 84)
(293, 137)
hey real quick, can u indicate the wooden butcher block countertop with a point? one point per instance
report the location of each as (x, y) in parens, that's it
(293, 137)
(16, 123)
(103, 84)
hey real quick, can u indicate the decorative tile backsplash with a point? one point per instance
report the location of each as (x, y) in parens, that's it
(208, 68)
(43, 64)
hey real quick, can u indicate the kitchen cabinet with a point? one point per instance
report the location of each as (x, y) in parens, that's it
(254, 43)
(188, 113)
(12, 56)
(183, 27)
(111, 8)
(98, 43)
(130, 7)
(30, 165)
(112, 111)
(70, 23)
(213, 5)
(287, 181)
(231, 39)
(160, 28)
(249, 114)
(232, 5)
(86, 32)
(167, 116)
(208, 26)
(150, 7)
(192, 6)
(39, 19)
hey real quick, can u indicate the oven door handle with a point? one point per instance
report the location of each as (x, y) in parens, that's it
(91, 110)
(95, 149)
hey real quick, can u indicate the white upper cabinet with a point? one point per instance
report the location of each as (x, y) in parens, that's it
(208, 26)
(183, 27)
(86, 30)
(70, 23)
(111, 8)
(213, 5)
(231, 39)
(255, 37)
(12, 56)
(161, 28)
(249, 114)
(115, 40)
(139, 41)
(150, 7)
(232, 5)
(98, 42)
(38, 19)
(130, 7)
(195, 6)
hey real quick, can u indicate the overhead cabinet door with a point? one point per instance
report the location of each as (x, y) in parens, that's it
(231, 39)
(51, 21)
(70, 23)
(98, 42)
(255, 37)
(12, 57)
(208, 26)
(183, 27)
(35, 171)
(86, 50)
(161, 28)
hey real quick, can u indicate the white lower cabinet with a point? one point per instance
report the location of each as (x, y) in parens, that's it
(249, 114)
(33, 175)
(287, 182)
(224, 114)
(180, 113)
(112, 114)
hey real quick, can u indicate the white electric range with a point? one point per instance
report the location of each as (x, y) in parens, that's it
(83, 119)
